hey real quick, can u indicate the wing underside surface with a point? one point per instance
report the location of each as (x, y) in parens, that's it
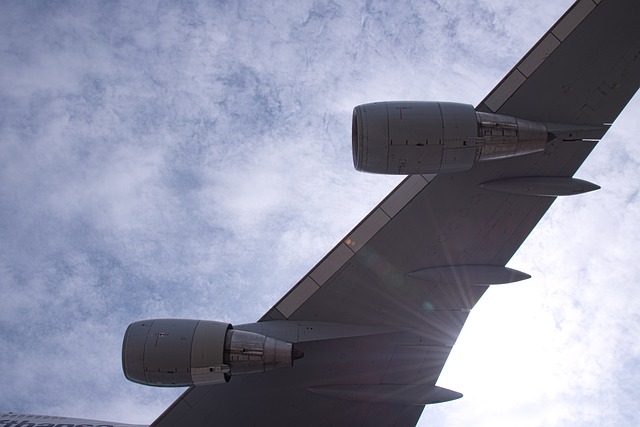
(377, 317)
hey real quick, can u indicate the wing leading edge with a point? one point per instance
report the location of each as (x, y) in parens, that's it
(378, 316)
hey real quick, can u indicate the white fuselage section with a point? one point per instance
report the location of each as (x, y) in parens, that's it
(10, 419)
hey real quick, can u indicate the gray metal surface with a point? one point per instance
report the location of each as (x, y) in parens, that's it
(398, 329)
(584, 70)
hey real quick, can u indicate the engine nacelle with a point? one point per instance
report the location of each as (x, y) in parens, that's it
(430, 137)
(179, 352)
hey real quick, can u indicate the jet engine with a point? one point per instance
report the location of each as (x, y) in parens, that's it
(179, 352)
(430, 137)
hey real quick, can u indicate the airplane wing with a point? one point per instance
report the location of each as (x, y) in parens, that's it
(377, 317)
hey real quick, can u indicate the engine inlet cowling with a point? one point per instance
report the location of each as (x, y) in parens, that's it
(180, 352)
(430, 137)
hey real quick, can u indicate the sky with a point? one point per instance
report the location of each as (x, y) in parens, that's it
(193, 160)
